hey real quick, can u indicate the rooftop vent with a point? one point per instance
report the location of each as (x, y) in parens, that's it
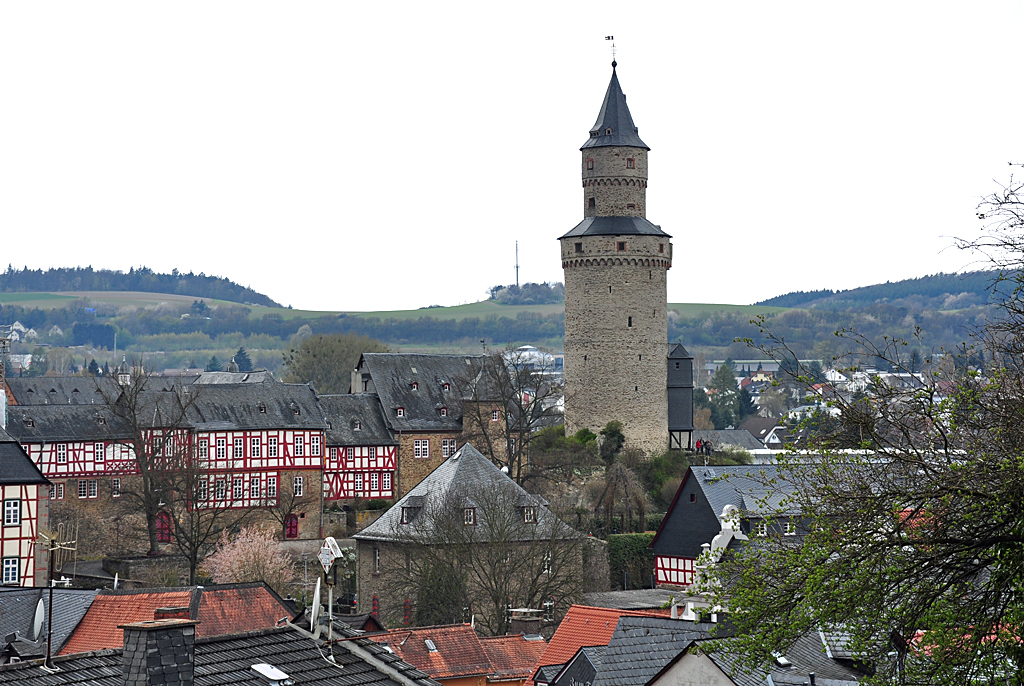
(781, 660)
(430, 645)
(272, 675)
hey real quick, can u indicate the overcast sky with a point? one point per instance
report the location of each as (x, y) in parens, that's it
(364, 156)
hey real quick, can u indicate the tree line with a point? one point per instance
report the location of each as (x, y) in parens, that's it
(142, 279)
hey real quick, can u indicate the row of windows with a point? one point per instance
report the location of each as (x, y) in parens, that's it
(415, 385)
(421, 447)
(87, 488)
(350, 453)
(256, 447)
(378, 481)
(620, 246)
(99, 452)
(240, 490)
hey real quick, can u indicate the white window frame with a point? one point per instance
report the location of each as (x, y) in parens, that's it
(94, 488)
(11, 571)
(254, 487)
(314, 445)
(448, 447)
(332, 453)
(99, 452)
(762, 529)
(299, 449)
(83, 489)
(400, 412)
(421, 448)
(255, 447)
(220, 489)
(298, 486)
(372, 452)
(238, 449)
(272, 446)
(203, 448)
(530, 514)
(790, 528)
(374, 481)
(495, 415)
(545, 562)
(203, 489)
(469, 516)
(357, 483)
(271, 486)
(237, 488)
(222, 448)
(350, 453)
(12, 512)
(385, 484)
(60, 491)
(62, 453)
(115, 487)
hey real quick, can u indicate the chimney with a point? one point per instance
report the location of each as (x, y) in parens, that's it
(159, 652)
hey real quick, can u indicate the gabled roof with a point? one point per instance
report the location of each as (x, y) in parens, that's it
(756, 489)
(615, 226)
(16, 467)
(512, 657)
(723, 437)
(760, 427)
(637, 599)
(457, 650)
(642, 646)
(583, 626)
(18, 610)
(225, 407)
(229, 660)
(62, 390)
(676, 351)
(394, 374)
(614, 115)
(345, 412)
(220, 609)
(462, 475)
(261, 376)
(58, 423)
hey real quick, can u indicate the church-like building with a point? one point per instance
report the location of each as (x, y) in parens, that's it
(616, 262)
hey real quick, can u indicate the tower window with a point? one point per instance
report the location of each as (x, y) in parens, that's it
(590, 164)
(579, 247)
(630, 163)
(621, 246)
(630, 324)
(661, 247)
(677, 365)
(584, 358)
(591, 203)
(640, 358)
(608, 131)
(609, 289)
(630, 206)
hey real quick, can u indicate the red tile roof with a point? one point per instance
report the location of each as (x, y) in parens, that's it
(459, 652)
(512, 657)
(584, 626)
(222, 609)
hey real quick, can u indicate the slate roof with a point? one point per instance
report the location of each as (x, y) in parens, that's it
(616, 226)
(756, 490)
(393, 375)
(642, 646)
(458, 650)
(760, 427)
(614, 115)
(261, 376)
(462, 476)
(224, 660)
(735, 437)
(343, 411)
(807, 655)
(220, 609)
(18, 610)
(60, 423)
(583, 626)
(225, 407)
(639, 599)
(676, 351)
(512, 657)
(547, 673)
(62, 390)
(16, 467)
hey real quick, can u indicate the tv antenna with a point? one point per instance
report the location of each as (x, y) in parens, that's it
(62, 547)
(517, 264)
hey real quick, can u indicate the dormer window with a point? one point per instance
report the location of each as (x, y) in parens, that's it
(262, 408)
(530, 514)
(409, 514)
(415, 386)
(446, 387)
(101, 420)
(630, 163)
(762, 529)
(358, 425)
(400, 412)
(469, 516)
(295, 409)
(608, 131)
(595, 134)
(790, 528)
(29, 422)
(444, 411)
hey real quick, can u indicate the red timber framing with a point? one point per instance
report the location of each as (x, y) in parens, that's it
(78, 459)
(257, 450)
(674, 570)
(360, 472)
(18, 540)
(239, 489)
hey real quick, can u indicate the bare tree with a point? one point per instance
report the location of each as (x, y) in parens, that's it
(521, 385)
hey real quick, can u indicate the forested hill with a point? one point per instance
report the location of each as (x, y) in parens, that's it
(938, 291)
(142, 279)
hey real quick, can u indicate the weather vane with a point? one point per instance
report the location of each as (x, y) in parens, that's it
(612, 39)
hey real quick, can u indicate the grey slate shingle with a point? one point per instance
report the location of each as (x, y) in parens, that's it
(16, 467)
(18, 609)
(343, 411)
(642, 646)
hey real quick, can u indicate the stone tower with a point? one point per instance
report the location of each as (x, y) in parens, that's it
(616, 312)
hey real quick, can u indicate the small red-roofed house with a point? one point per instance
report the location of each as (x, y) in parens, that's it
(219, 609)
(452, 654)
(583, 626)
(513, 658)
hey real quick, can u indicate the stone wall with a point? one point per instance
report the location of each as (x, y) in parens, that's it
(411, 469)
(616, 323)
(616, 189)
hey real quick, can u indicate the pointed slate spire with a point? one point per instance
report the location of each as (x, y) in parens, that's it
(614, 125)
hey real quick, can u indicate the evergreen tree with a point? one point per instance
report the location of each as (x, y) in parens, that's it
(745, 406)
(242, 360)
(93, 368)
(214, 365)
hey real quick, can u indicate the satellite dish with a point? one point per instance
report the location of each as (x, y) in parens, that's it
(37, 623)
(315, 610)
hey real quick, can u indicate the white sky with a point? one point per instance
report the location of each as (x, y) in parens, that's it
(363, 156)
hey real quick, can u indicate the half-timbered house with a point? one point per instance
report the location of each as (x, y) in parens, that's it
(23, 493)
(362, 453)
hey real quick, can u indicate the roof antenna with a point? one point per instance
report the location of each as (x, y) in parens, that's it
(612, 39)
